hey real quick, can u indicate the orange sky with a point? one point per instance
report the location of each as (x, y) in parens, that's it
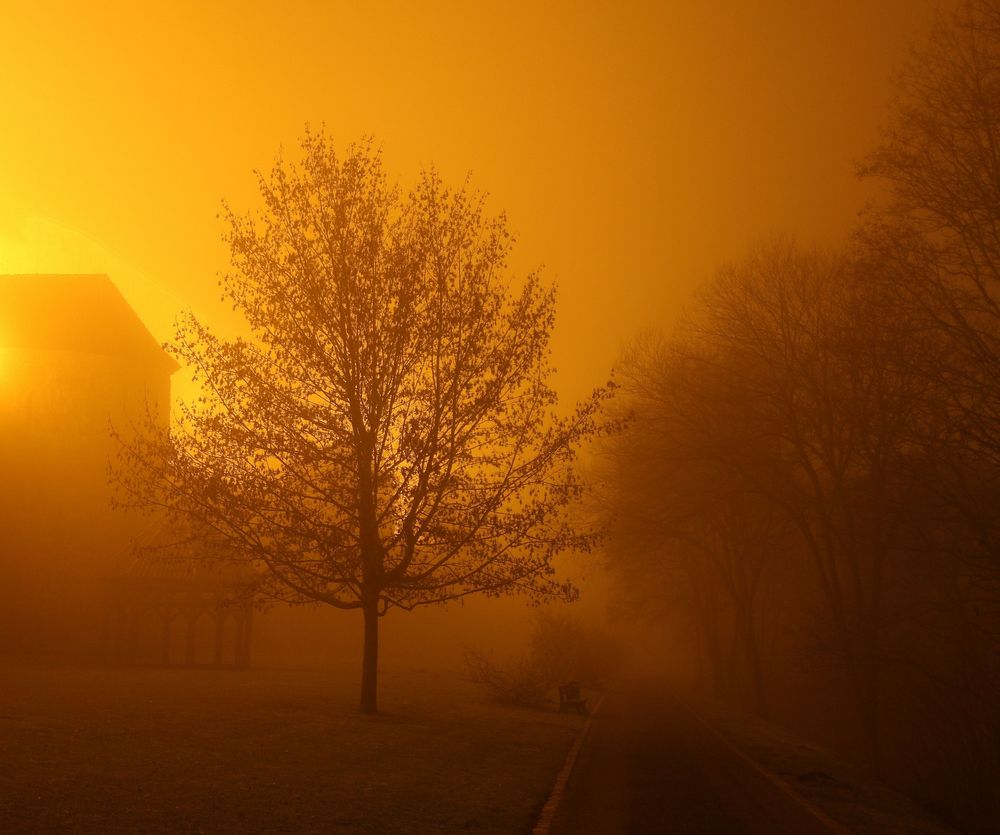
(633, 145)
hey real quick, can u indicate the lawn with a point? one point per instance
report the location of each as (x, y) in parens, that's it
(274, 750)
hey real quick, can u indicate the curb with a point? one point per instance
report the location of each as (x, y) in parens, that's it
(796, 813)
(544, 824)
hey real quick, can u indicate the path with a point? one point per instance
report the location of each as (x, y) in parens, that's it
(635, 774)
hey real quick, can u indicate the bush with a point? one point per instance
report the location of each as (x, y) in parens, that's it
(572, 650)
(523, 682)
(562, 649)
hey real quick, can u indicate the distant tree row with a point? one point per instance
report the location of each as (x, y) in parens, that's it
(810, 487)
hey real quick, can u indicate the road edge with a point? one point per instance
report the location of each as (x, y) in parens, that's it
(776, 795)
(544, 823)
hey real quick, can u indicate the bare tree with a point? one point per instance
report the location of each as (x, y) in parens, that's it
(939, 233)
(939, 229)
(386, 437)
(819, 357)
(682, 514)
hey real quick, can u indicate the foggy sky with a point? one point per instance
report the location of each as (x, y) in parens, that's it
(633, 146)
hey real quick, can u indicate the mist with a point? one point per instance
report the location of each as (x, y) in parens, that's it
(502, 419)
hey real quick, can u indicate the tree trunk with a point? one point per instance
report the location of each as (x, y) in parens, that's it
(752, 649)
(369, 663)
(870, 705)
(713, 654)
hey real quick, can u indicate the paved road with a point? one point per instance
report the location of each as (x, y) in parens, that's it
(636, 774)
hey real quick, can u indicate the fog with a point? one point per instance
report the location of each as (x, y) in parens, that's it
(505, 419)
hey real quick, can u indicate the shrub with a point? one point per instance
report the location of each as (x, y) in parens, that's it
(524, 682)
(561, 649)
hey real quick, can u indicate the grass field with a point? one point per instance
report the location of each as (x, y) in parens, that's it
(151, 750)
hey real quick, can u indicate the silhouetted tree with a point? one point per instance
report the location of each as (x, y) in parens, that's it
(386, 437)
(822, 356)
(787, 399)
(938, 231)
(683, 515)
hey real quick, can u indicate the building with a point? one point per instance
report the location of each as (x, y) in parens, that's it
(75, 361)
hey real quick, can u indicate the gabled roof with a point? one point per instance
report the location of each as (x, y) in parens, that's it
(80, 313)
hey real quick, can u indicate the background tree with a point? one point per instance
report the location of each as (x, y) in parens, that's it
(386, 437)
(938, 229)
(938, 235)
(855, 393)
(823, 357)
(688, 530)
(786, 401)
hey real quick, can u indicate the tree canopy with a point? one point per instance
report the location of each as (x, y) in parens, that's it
(386, 435)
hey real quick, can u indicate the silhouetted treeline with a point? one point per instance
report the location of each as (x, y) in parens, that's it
(809, 490)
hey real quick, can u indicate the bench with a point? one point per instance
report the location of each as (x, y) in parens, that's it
(570, 698)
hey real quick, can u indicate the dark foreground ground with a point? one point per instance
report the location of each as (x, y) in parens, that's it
(649, 765)
(276, 750)
(151, 750)
(635, 773)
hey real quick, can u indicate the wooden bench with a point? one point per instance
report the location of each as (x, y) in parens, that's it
(570, 698)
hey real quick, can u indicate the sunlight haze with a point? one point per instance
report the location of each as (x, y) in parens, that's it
(634, 147)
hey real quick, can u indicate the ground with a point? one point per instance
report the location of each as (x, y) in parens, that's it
(91, 749)
(650, 765)
(143, 750)
(635, 774)
(848, 794)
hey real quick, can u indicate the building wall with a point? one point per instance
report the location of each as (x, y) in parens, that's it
(59, 536)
